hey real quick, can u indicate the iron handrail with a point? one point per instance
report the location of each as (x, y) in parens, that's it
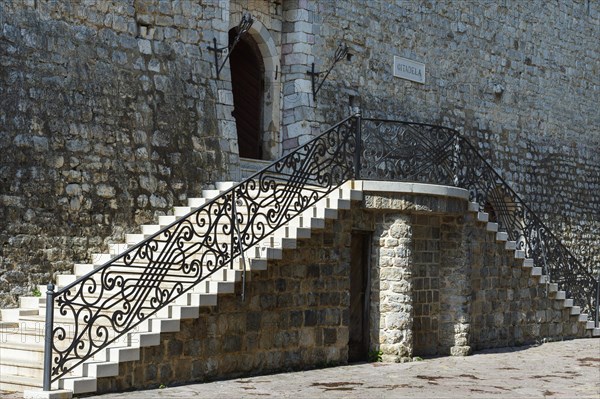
(453, 160)
(110, 301)
(189, 250)
(533, 236)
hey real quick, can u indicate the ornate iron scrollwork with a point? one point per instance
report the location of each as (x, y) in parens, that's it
(104, 305)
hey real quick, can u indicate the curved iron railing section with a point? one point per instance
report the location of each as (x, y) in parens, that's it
(107, 303)
(407, 151)
(524, 227)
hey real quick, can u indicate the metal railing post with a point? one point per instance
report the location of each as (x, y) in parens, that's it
(597, 320)
(48, 336)
(236, 225)
(233, 226)
(358, 149)
(455, 161)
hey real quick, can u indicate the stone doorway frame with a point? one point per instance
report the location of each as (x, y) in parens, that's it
(271, 108)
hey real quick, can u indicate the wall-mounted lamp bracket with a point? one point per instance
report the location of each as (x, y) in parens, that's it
(340, 53)
(243, 27)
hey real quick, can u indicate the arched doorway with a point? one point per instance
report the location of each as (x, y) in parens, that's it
(247, 81)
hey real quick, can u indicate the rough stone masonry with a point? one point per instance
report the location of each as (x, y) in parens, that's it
(111, 114)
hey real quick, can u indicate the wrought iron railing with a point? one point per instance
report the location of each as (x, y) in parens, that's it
(104, 305)
(523, 226)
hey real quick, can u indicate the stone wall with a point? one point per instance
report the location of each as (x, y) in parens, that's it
(508, 306)
(107, 119)
(295, 316)
(111, 114)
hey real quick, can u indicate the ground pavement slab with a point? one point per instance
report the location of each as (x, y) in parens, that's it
(567, 369)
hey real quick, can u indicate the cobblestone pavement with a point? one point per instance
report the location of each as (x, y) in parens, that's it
(569, 369)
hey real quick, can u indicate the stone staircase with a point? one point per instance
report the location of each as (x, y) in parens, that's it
(534, 271)
(22, 329)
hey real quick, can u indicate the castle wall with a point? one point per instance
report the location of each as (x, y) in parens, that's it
(111, 114)
(107, 119)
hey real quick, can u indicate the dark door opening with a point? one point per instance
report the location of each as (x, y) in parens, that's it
(247, 81)
(358, 345)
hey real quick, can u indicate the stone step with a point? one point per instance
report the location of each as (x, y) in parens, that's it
(596, 332)
(14, 315)
(117, 248)
(79, 385)
(576, 310)
(491, 226)
(589, 325)
(166, 220)
(267, 253)
(225, 185)
(560, 295)
(511, 245)
(568, 303)
(81, 269)
(25, 352)
(501, 236)
(150, 229)
(133, 239)
(62, 280)
(30, 302)
(20, 367)
(17, 383)
(101, 369)
(473, 207)
(482, 217)
(24, 332)
(194, 299)
(196, 202)
(527, 263)
(209, 194)
(180, 211)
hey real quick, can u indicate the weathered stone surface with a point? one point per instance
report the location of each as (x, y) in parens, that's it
(114, 117)
(264, 333)
(85, 81)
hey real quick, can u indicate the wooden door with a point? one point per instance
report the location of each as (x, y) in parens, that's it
(247, 79)
(358, 345)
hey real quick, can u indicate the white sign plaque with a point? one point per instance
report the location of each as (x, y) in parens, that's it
(409, 69)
